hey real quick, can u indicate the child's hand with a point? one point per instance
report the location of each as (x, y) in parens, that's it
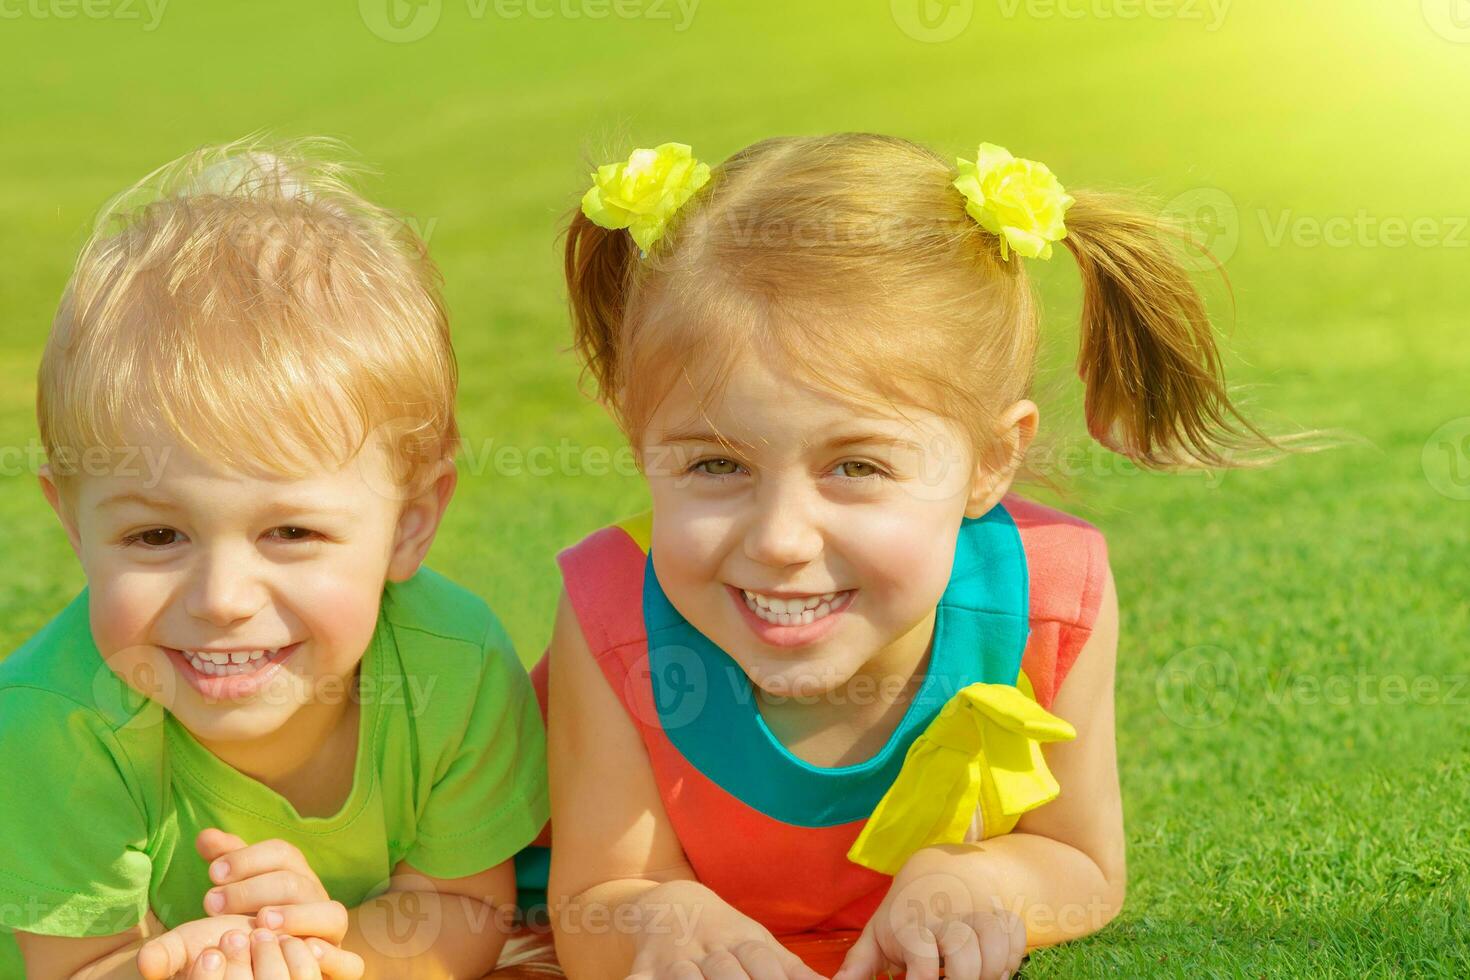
(722, 944)
(226, 947)
(930, 915)
(250, 877)
(262, 955)
(176, 950)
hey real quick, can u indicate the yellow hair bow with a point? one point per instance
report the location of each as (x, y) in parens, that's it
(982, 751)
(643, 192)
(1019, 200)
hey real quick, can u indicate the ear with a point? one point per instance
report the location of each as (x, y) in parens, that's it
(62, 507)
(995, 471)
(418, 522)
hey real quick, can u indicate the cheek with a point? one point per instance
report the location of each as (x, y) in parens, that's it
(123, 609)
(902, 556)
(339, 613)
(689, 543)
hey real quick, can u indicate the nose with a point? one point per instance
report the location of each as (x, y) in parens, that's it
(785, 529)
(224, 589)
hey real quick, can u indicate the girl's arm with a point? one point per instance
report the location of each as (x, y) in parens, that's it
(1059, 875)
(612, 839)
(1062, 869)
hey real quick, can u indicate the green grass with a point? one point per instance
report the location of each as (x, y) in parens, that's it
(1271, 832)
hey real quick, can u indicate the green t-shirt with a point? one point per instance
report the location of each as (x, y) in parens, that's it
(105, 792)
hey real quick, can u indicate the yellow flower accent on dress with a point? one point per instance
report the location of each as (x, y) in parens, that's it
(643, 192)
(1019, 200)
(981, 752)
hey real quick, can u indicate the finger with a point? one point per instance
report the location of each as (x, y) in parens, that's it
(236, 945)
(326, 920)
(257, 859)
(272, 888)
(209, 965)
(760, 961)
(213, 843)
(919, 951)
(299, 961)
(722, 965)
(863, 960)
(336, 962)
(794, 966)
(163, 956)
(266, 957)
(1002, 937)
(960, 948)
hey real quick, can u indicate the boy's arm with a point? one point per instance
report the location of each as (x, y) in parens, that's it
(616, 843)
(435, 927)
(90, 958)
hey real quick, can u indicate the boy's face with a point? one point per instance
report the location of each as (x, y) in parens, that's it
(192, 565)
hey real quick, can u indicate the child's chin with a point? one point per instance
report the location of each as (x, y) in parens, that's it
(232, 722)
(801, 681)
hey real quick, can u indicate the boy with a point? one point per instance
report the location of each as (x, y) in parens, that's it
(262, 737)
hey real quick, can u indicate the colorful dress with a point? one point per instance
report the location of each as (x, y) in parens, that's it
(767, 831)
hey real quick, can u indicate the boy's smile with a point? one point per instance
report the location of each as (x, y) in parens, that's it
(229, 674)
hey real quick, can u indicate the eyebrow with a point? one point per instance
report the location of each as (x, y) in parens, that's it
(287, 507)
(837, 442)
(136, 498)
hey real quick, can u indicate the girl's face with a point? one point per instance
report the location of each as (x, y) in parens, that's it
(805, 537)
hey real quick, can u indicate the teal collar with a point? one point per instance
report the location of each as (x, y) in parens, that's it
(706, 703)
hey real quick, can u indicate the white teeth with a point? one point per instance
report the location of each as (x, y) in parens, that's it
(221, 664)
(790, 612)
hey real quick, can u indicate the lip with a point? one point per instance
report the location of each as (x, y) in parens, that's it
(789, 637)
(234, 687)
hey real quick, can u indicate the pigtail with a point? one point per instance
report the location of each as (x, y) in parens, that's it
(599, 264)
(1155, 388)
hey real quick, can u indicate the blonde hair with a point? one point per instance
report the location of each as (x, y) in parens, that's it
(852, 258)
(247, 300)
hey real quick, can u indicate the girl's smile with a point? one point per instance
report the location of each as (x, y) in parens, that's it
(792, 620)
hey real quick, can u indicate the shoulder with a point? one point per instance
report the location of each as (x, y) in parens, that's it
(1066, 560)
(453, 655)
(603, 577)
(59, 670)
(433, 605)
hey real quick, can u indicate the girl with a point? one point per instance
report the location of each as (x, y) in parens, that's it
(798, 708)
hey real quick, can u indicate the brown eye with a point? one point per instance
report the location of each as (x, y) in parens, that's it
(293, 533)
(158, 537)
(718, 467)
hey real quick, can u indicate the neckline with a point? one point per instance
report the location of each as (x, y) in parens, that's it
(705, 706)
(243, 793)
(939, 661)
